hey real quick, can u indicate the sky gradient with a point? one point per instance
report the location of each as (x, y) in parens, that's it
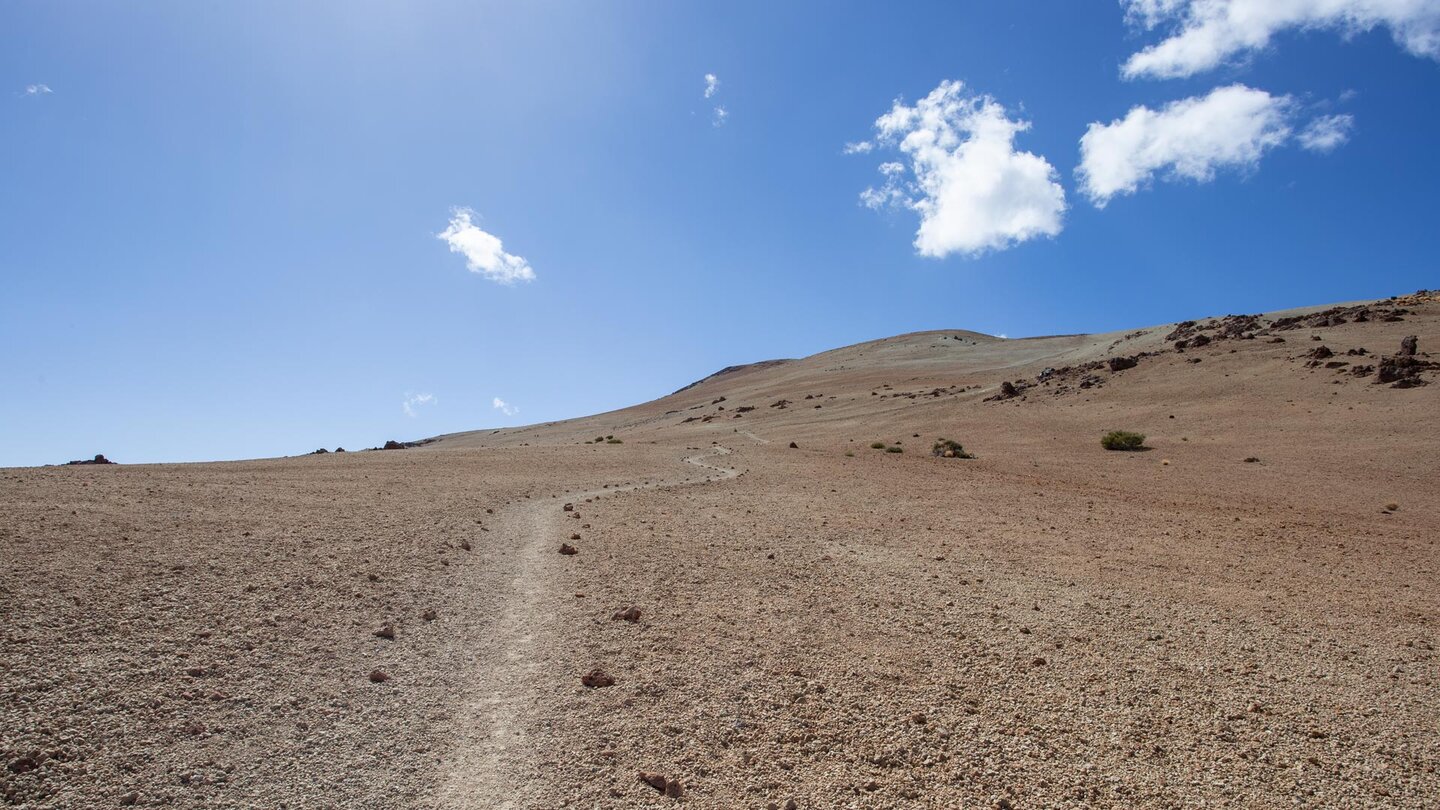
(222, 228)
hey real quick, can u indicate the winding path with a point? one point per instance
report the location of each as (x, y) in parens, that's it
(491, 729)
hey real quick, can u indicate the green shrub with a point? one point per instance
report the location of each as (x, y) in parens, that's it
(894, 449)
(614, 441)
(1123, 440)
(849, 454)
(949, 449)
(877, 445)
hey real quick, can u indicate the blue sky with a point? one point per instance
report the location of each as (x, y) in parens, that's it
(219, 222)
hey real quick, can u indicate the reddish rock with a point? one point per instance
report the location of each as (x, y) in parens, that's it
(596, 679)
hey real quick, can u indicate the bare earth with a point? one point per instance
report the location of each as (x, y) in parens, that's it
(829, 625)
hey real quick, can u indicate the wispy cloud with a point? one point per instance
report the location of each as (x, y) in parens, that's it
(973, 190)
(38, 90)
(859, 147)
(413, 402)
(504, 407)
(1327, 133)
(483, 252)
(718, 114)
(1207, 33)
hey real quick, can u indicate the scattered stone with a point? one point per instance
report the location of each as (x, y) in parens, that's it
(1321, 352)
(568, 550)
(596, 679)
(629, 614)
(376, 676)
(670, 787)
(1408, 347)
(794, 446)
(569, 507)
(575, 536)
(386, 632)
(1251, 460)
(430, 615)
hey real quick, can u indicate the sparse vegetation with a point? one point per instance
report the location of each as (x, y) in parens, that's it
(894, 448)
(1392, 506)
(877, 445)
(613, 440)
(945, 448)
(849, 454)
(1123, 440)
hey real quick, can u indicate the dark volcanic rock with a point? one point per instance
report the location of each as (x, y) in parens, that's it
(1122, 363)
(99, 459)
(1409, 346)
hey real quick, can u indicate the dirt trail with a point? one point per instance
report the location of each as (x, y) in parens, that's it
(491, 752)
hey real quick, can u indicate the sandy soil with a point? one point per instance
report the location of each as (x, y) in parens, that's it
(829, 625)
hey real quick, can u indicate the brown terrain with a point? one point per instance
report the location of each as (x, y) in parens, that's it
(763, 611)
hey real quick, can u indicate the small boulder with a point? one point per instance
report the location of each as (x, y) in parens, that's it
(629, 614)
(568, 550)
(387, 632)
(1122, 363)
(1408, 347)
(376, 676)
(596, 679)
(794, 446)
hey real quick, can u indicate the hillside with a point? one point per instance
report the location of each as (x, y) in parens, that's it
(1243, 614)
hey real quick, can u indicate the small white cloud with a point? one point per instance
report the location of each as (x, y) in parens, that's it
(1326, 133)
(38, 90)
(504, 407)
(483, 252)
(1232, 127)
(1207, 33)
(414, 401)
(973, 190)
(721, 115)
(711, 84)
(859, 147)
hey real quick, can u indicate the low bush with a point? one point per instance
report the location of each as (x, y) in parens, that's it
(877, 445)
(946, 448)
(1123, 440)
(894, 449)
(614, 441)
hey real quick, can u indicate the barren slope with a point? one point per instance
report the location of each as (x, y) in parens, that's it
(1049, 624)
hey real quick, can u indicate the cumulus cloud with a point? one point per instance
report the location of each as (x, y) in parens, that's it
(38, 90)
(859, 147)
(973, 190)
(412, 402)
(721, 114)
(711, 84)
(1326, 133)
(483, 251)
(1206, 33)
(1232, 127)
(504, 407)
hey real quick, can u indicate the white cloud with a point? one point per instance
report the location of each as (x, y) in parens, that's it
(483, 253)
(973, 191)
(504, 407)
(721, 115)
(38, 90)
(859, 147)
(1207, 33)
(711, 84)
(1232, 127)
(414, 401)
(1326, 133)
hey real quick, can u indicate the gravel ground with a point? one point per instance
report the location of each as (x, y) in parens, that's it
(1245, 615)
